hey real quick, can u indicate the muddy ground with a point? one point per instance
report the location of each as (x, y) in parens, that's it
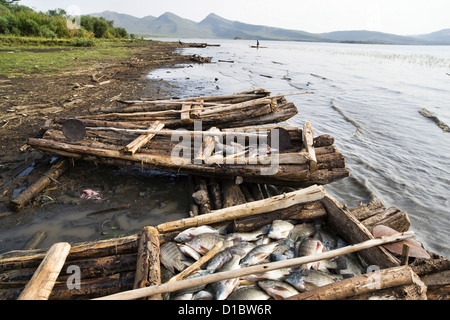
(26, 103)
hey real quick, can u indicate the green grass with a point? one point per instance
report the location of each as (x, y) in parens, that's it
(21, 57)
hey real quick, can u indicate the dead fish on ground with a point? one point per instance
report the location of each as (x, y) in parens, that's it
(246, 236)
(172, 258)
(193, 290)
(248, 293)
(280, 229)
(278, 289)
(203, 295)
(222, 289)
(258, 254)
(188, 234)
(224, 256)
(278, 274)
(204, 242)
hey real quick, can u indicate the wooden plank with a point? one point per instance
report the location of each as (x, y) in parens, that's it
(308, 142)
(185, 113)
(41, 284)
(196, 109)
(142, 140)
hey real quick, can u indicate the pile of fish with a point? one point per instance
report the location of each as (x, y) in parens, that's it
(274, 242)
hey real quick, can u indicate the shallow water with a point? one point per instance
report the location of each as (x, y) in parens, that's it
(368, 98)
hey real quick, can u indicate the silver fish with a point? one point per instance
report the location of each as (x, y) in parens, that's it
(204, 242)
(185, 296)
(246, 236)
(188, 251)
(310, 279)
(308, 247)
(224, 256)
(203, 295)
(222, 289)
(249, 293)
(199, 273)
(301, 231)
(278, 274)
(188, 234)
(172, 258)
(280, 229)
(278, 289)
(258, 254)
(328, 240)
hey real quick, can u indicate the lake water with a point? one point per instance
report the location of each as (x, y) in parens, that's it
(368, 98)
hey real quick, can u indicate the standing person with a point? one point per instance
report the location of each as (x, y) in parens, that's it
(257, 44)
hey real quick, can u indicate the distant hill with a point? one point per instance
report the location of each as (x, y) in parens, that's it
(373, 37)
(215, 27)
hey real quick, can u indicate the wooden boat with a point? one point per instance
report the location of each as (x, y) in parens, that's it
(226, 154)
(253, 107)
(118, 265)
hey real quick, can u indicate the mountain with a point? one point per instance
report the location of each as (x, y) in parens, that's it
(442, 36)
(215, 27)
(372, 37)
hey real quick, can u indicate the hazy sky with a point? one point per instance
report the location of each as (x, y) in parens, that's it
(393, 16)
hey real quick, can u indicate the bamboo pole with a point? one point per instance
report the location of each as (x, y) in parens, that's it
(184, 284)
(41, 284)
(363, 284)
(310, 194)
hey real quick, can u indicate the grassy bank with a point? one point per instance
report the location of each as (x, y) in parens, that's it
(25, 56)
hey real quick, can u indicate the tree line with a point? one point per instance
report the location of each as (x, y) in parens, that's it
(20, 20)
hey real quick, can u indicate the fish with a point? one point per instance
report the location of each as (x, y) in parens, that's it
(203, 295)
(188, 251)
(222, 289)
(224, 256)
(354, 267)
(246, 236)
(304, 280)
(258, 254)
(188, 234)
(278, 289)
(280, 229)
(308, 247)
(301, 231)
(278, 274)
(328, 240)
(185, 296)
(248, 293)
(172, 258)
(192, 290)
(415, 247)
(204, 242)
(338, 263)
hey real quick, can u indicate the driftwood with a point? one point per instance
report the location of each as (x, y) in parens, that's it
(175, 286)
(43, 280)
(20, 201)
(363, 284)
(148, 263)
(34, 242)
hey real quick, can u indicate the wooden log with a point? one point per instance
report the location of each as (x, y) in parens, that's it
(41, 284)
(54, 173)
(365, 211)
(184, 284)
(363, 284)
(351, 230)
(255, 191)
(310, 194)
(246, 192)
(201, 197)
(142, 140)
(103, 248)
(207, 147)
(301, 212)
(196, 109)
(231, 194)
(194, 209)
(216, 194)
(35, 241)
(148, 271)
(391, 217)
(185, 113)
(308, 143)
